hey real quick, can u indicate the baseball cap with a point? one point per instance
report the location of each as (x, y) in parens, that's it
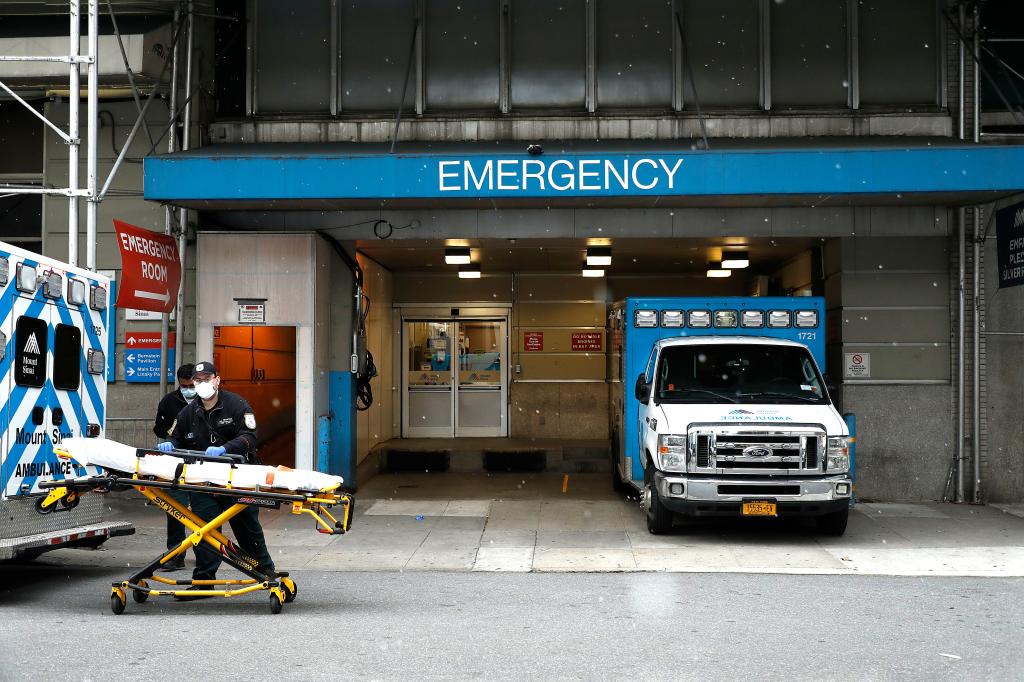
(204, 368)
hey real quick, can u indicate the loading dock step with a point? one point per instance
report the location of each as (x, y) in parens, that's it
(496, 455)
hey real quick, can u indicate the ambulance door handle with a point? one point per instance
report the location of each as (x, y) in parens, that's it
(37, 415)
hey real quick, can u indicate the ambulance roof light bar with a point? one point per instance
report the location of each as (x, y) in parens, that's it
(27, 281)
(645, 318)
(76, 291)
(5, 271)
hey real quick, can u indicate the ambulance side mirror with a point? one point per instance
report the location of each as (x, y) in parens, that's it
(642, 389)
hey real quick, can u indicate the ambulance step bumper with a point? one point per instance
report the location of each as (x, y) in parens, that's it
(81, 536)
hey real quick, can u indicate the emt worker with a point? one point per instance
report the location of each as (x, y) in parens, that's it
(220, 423)
(166, 414)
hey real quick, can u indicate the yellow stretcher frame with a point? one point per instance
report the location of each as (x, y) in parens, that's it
(282, 588)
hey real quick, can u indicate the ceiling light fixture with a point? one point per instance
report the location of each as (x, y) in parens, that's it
(456, 255)
(470, 271)
(599, 255)
(715, 269)
(735, 260)
(591, 271)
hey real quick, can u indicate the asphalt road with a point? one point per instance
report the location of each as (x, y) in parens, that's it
(55, 623)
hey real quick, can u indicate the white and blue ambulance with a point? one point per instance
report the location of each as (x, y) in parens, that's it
(719, 408)
(53, 341)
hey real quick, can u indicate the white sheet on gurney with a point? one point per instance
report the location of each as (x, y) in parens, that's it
(116, 456)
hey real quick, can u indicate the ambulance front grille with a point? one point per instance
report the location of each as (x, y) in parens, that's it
(738, 451)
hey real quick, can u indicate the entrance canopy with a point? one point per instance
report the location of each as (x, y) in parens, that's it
(319, 176)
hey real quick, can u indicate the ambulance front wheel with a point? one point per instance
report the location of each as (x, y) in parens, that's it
(659, 517)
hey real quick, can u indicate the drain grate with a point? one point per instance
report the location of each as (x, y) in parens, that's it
(517, 461)
(408, 461)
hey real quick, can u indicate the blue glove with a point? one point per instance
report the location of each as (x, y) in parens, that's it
(166, 446)
(215, 450)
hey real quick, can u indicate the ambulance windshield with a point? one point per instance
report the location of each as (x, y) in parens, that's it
(738, 373)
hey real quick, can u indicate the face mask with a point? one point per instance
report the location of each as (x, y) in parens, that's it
(205, 390)
(188, 393)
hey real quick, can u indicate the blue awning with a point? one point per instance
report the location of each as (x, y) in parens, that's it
(259, 174)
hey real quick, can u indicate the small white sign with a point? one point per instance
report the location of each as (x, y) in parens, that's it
(132, 315)
(252, 313)
(858, 366)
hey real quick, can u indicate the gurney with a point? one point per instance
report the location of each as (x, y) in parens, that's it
(154, 474)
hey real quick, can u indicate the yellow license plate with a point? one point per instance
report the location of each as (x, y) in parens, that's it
(759, 509)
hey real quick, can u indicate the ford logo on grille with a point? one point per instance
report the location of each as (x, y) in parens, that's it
(757, 451)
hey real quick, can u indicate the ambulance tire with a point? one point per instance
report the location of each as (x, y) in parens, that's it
(833, 524)
(659, 517)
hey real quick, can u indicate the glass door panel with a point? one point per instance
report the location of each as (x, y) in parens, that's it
(427, 367)
(482, 378)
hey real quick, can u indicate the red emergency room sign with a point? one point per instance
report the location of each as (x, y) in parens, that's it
(146, 340)
(150, 269)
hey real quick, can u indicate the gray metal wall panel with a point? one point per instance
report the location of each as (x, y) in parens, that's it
(809, 53)
(924, 289)
(724, 51)
(898, 52)
(549, 54)
(462, 54)
(372, 69)
(293, 56)
(634, 54)
(895, 325)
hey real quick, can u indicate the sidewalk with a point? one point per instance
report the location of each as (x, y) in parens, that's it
(519, 522)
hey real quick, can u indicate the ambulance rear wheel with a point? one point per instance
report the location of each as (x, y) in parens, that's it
(275, 604)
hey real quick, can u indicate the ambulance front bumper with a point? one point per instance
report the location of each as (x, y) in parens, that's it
(724, 496)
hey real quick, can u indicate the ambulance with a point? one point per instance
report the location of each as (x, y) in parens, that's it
(719, 407)
(54, 325)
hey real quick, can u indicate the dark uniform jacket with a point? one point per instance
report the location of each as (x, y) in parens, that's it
(166, 412)
(231, 424)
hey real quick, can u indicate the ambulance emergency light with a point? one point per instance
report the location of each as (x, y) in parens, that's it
(725, 319)
(5, 271)
(3, 346)
(645, 318)
(96, 361)
(671, 318)
(700, 319)
(778, 319)
(26, 278)
(98, 298)
(52, 285)
(752, 319)
(76, 291)
(807, 318)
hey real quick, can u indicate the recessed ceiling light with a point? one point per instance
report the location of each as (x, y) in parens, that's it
(599, 255)
(471, 271)
(591, 271)
(456, 255)
(735, 260)
(715, 269)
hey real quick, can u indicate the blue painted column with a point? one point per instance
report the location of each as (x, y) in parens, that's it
(341, 457)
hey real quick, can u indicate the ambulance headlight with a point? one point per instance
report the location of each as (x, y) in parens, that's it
(97, 361)
(52, 285)
(671, 318)
(700, 319)
(672, 452)
(725, 318)
(645, 318)
(76, 292)
(752, 319)
(807, 318)
(838, 455)
(98, 298)
(779, 318)
(5, 271)
(26, 278)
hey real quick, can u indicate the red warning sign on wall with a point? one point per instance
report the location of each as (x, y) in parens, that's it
(533, 341)
(150, 269)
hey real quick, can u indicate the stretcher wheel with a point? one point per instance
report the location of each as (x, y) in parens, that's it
(291, 590)
(41, 509)
(140, 596)
(117, 603)
(70, 501)
(275, 603)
